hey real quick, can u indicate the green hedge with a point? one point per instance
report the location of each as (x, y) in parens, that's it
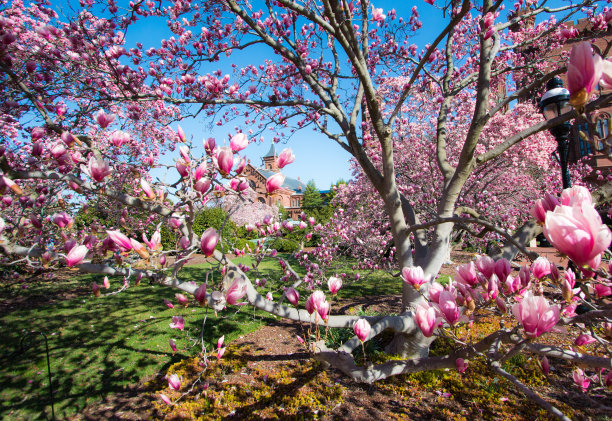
(283, 245)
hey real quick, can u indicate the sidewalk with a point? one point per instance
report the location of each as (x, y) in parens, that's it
(551, 254)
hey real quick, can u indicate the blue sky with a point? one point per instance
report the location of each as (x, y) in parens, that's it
(317, 157)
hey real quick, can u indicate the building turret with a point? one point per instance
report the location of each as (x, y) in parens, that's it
(269, 160)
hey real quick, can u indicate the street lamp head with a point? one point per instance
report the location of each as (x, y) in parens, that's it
(555, 100)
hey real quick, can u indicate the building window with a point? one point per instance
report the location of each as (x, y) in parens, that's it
(602, 125)
(585, 147)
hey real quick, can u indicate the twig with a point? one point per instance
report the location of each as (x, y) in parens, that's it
(530, 393)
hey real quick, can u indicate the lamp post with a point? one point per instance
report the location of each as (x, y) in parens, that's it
(555, 102)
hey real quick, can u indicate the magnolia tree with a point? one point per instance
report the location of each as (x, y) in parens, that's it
(502, 189)
(87, 111)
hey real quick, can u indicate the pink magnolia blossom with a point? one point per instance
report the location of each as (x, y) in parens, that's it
(545, 365)
(57, 150)
(146, 188)
(200, 294)
(106, 282)
(583, 73)
(95, 289)
(425, 318)
(103, 119)
(569, 33)
(501, 305)
(577, 231)
(220, 342)
(540, 267)
(37, 149)
(461, 364)
(76, 255)
(602, 290)
(467, 274)
(168, 303)
(574, 196)
(97, 169)
(177, 322)
(502, 269)
(377, 14)
(139, 249)
(541, 206)
(274, 182)
(485, 265)
(174, 382)
(525, 276)
(535, 314)
(314, 301)
(209, 145)
(155, 242)
(165, 399)
(184, 151)
(362, 329)
(209, 241)
(239, 142)
(581, 379)
(241, 165)
(119, 138)
(202, 185)
(584, 339)
(447, 304)
(570, 277)
(512, 284)
(172, 345)
(334, 284)
(323, 309)
(225, 160)
(120, 239)
(220, 353)
(300, 339)
(434, 291)
(606, 77)
(269, 296)
(182, 300)
(292, 295)
(201, 170)
(62, 220)
(236, 291)
(182, 168)
(286, 157)
(414, 276)
(184, 242)
(180, 134)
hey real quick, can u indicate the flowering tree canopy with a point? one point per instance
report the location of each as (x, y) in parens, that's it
(436, 132)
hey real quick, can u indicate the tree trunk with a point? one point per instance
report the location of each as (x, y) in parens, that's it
(407, 346)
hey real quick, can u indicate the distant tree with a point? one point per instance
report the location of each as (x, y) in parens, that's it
(312, 197)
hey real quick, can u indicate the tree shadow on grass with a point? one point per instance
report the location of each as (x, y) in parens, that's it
(97, 347)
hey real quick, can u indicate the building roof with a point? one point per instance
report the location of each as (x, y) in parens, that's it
(271, 152)
(290, 183)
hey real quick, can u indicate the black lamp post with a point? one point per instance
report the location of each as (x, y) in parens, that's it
(555, 102)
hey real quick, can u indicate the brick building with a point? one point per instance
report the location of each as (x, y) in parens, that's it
(589, 139)
(290, 195)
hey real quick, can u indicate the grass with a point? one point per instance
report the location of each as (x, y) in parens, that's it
(100, 346)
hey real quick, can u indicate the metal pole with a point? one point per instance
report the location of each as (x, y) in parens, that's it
(561, 134)
(563, 149)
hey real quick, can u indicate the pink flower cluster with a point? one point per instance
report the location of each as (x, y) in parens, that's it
(573, 226)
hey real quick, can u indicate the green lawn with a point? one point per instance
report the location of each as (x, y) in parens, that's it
(98, 346)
